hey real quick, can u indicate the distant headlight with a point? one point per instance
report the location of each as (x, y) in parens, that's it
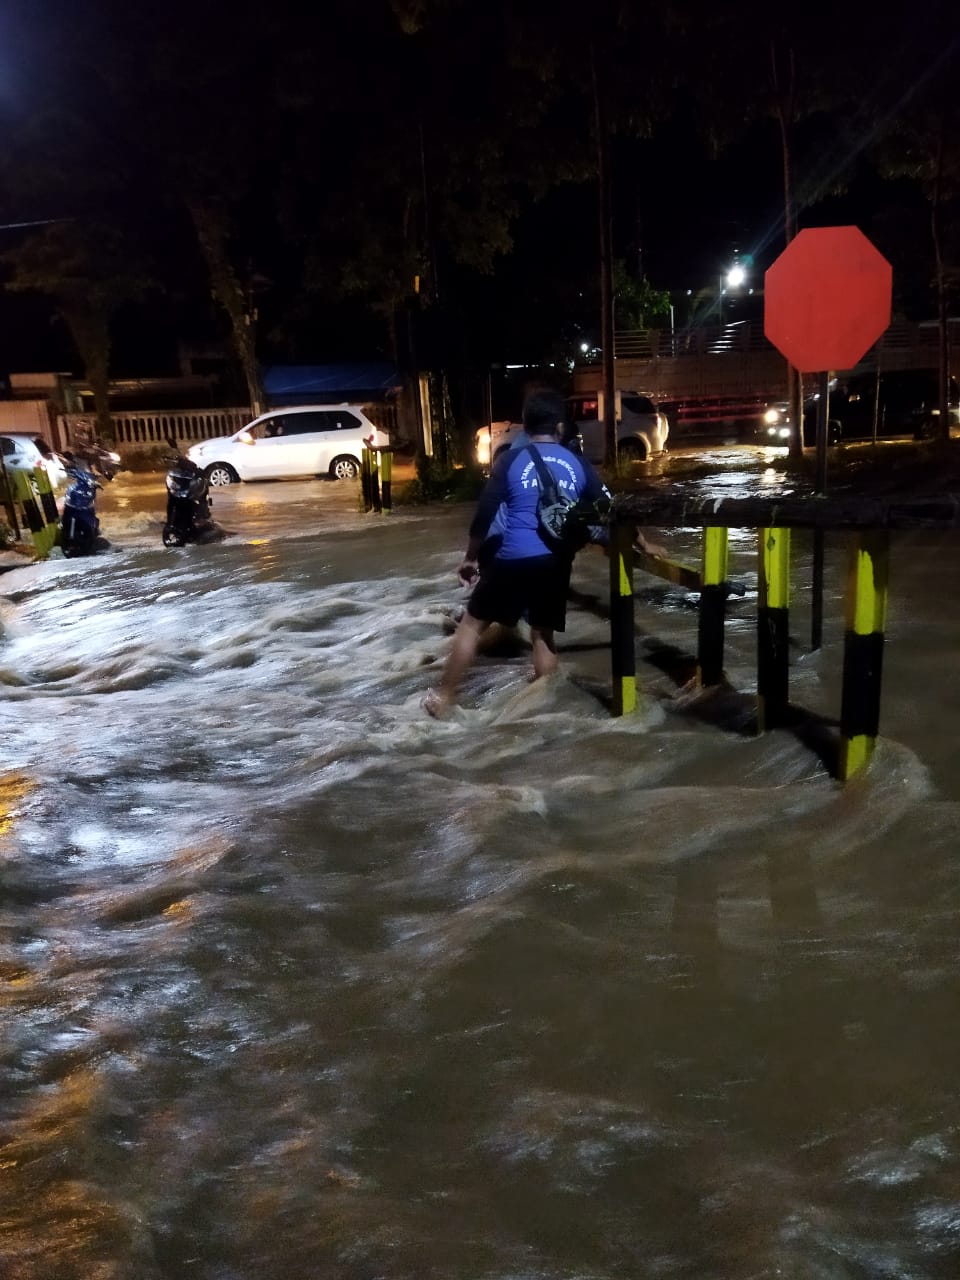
(784, 433)
(772, 415)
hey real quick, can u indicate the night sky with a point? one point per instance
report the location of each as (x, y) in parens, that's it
(350, 148)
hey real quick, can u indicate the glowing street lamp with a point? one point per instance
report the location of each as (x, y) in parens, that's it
(735, 277)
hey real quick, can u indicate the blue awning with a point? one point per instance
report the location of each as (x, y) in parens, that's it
(319, 383)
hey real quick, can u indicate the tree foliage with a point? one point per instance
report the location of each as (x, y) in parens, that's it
(89, 270)
(296, 163)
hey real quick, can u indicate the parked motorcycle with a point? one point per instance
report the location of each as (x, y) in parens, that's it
(96, 457)
(79, 523)
(188, 504)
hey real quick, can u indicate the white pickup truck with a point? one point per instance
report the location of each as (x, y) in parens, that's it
(641, 429)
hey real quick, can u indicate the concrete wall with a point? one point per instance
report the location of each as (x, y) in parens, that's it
(32, 416)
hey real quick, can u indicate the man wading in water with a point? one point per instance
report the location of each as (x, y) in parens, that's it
(523, 577)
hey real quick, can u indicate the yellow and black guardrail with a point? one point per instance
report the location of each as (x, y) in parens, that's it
(869, 519)
(31, 493)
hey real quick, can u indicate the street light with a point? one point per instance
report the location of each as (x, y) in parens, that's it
(735, 277)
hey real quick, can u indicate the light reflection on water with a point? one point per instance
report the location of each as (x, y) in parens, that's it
(300, 983)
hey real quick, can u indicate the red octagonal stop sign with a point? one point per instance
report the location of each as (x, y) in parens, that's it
(827, 298)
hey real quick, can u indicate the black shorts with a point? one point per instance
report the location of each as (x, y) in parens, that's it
(535, 588)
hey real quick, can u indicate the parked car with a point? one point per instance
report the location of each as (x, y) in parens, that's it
(642, 430)
(306, 440)
(22, 453)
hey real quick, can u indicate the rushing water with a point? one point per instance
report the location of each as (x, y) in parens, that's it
(300, 983)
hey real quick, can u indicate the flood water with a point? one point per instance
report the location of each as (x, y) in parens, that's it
(297, 982)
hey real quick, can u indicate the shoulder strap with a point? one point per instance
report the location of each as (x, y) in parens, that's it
(548, 486)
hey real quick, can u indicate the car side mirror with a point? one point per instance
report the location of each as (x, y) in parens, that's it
(246, 438)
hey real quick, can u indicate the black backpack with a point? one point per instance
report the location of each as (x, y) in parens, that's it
(561, 521)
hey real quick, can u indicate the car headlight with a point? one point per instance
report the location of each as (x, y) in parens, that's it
(771, 416)
(784, 433)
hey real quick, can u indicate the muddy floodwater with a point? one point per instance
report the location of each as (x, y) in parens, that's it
(298, 983)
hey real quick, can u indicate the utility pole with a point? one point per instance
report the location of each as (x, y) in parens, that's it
(608, 378)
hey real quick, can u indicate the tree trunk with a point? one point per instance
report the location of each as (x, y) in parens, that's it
(90, 329)
(608, 375)
(227, 290)
(936, 231)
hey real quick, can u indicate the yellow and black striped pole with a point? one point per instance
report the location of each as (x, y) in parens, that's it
(623, 659)
(866, 617)
(375, 479)
(713, 598)
(365, 471)
(386, 476)
(773, 627)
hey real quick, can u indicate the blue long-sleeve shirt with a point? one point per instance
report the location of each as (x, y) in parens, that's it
(507, 507)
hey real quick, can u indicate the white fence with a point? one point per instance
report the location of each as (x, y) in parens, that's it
(146, 427)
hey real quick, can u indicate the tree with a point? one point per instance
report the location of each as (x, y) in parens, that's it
(89, 270)
(637, 304)
(237, 299)
(753, 61)
(922, 144)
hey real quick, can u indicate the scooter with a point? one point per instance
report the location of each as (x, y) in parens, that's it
(188, 506)
(97, 458)
(79, 524)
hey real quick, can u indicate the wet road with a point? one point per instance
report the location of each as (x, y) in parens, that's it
(299, 983)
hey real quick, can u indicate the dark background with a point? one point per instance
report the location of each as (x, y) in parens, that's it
(349, 149)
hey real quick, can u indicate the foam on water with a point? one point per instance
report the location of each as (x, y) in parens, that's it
(302, 982)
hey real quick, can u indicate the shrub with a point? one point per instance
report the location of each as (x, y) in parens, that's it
(438, 483)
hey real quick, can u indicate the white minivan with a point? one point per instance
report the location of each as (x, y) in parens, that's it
(306, 440)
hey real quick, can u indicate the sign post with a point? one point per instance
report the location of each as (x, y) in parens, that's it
(827, 300)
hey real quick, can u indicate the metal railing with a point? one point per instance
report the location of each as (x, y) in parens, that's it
(917, 344)
(737, 360)
(146, 426)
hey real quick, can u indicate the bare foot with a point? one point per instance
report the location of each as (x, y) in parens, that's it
(436, 704)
